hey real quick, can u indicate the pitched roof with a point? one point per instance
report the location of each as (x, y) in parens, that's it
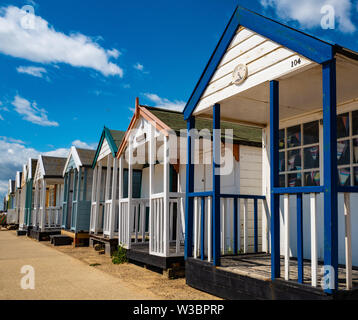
(86, 156)
(242, 134)
(313, 48)
(53, 166)
(114, 139)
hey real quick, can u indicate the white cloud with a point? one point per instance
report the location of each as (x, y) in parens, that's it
(138, 66)
(1, 117)
(84, 145)
(33, 71)
(308, 12)
(14, 154)
(32, 113)
(164, 103)
(43, 44)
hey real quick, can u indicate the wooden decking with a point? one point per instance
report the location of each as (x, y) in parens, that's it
(139, 253)
(258, 266)
(249, 277)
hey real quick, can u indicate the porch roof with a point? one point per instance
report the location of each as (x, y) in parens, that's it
(313, 48)
(243, 134)
(52, 166)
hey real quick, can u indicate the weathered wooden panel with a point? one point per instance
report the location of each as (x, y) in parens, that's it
(105, 150)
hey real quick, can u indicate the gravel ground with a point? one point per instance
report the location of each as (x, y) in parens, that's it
(136, 276)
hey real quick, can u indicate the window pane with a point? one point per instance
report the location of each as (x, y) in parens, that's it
(343, 125)
(311, 133)
(356, 176)
(282, 180)
(311, 157)
(282, 161)
(343, 156)
(312, 178)
(281, 144)
(355, 122)
(344, 177)
(293, 136)
(294, 160)
(355, 150)
(294, 180)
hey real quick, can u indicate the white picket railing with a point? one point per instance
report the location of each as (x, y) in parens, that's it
(96, 221)
(244, 237)
(132, 223)
(106, 218)
(315, 274)
(167, 240)
(53, 217)
(123, 216)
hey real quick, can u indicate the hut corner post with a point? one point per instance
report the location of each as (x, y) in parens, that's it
(189, 207)
(274, 179)
(330, 174)
(216, 185)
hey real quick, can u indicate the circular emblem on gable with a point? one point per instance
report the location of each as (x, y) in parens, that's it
(239, 74)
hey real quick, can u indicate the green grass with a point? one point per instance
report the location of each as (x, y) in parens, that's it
(120, 256)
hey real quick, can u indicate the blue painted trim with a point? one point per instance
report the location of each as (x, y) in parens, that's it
(189, 202)
(256, 227)
(312, 48)
(296, 190)
(211, 66)
(348, 189)
(299, 238)
(216, 185)
(235, 219)
(330, 168)
(202, 234)
(200, 194)
(274, 179)
(112, 145)
(243, 196)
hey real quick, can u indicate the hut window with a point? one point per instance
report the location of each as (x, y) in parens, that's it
(299, 156)
(347, 148)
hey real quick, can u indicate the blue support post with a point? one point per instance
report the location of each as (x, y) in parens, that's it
(189, 202)
(274, 179)
(299, 238)
(236, 239)
(330, 173)
(256, 229)
(202, 234)
(216, 184)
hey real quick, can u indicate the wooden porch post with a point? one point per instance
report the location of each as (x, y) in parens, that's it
(216, 184)
(152, 160)
(43, 206)
(77, 198)
(166, 167)
(113, 206)
(120, 196)
(189, 202)
(98, 196)
(274, 179)
(63, 225)
(130, 189)
(330, 175)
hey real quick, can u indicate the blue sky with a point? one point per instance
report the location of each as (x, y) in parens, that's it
(86, 61)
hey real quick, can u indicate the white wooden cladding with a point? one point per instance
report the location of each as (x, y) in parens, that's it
(313, 234)
(265, 61)
(244, 226)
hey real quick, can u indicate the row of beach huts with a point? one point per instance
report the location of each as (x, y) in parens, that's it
(251, 190)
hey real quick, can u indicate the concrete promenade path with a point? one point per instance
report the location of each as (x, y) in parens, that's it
(57, 275)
